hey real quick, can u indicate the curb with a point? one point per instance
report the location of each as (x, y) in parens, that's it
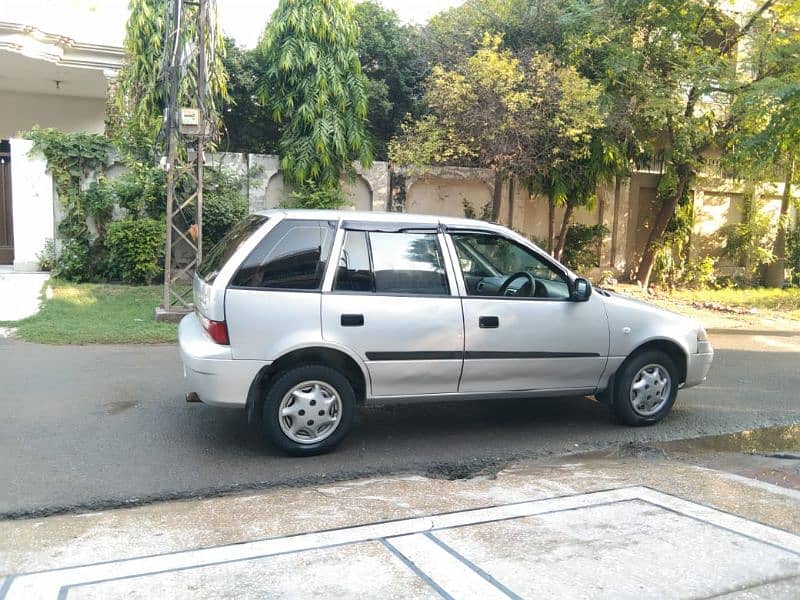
(767, 332)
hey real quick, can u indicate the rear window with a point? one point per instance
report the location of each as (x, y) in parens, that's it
(291, 257)
(215, 259)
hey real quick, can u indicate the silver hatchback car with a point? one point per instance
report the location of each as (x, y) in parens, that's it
(302, 315)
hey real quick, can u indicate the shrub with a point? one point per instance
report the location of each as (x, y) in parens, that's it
(47, 255)
(793, 253)
(582, 248)
(223, 205)
(136, 249)
(74, 262)
(313, 195)
(698, 273)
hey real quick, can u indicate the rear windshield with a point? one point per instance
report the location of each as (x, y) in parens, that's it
(215, 259)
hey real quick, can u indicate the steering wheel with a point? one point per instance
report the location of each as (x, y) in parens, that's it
(531, 283)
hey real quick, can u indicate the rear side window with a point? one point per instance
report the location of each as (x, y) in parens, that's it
(291, 257)
(221, 253)
(392, 263)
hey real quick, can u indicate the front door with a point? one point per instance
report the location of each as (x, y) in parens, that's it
(392, 301)
(6, 223)
(522, 331)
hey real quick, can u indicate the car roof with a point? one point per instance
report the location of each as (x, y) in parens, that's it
(378, 217)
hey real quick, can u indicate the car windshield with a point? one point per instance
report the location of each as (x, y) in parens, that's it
(216, 258)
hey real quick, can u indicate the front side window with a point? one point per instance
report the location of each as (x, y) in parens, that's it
(495, 266)
(291, 257)
(392, 263)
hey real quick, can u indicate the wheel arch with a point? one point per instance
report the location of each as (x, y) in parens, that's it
(669, 347)
(336, 358)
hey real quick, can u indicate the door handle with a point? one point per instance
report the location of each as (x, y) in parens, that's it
(352, 320)
(488, 322)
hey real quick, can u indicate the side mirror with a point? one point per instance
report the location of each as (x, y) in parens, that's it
(581, 290)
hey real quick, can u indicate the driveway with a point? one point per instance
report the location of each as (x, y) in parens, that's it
(104, 426)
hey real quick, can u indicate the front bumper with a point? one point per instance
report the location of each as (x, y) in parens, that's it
(210, 371)
(697, 367)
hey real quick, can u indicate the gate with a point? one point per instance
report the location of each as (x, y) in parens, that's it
(6, 223)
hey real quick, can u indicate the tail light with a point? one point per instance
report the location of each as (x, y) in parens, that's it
(217, 330)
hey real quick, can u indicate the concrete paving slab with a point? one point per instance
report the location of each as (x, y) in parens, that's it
(598, 528)
(19, 294)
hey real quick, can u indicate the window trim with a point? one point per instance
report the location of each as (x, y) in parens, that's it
(368, 227)
(462, 286)
(331, 223)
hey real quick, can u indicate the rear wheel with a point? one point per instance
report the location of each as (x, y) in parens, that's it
(645, 388)
(308, 410)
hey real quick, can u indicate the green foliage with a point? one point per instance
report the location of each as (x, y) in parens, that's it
(71, 157)
(316, 90)
(793, 253)
(313, 195)
(223, 204)
(469, 211)
(699, 273)
(140, 91)
(74, 262)
(142, 190)
(515, 115)
(391, 59)
(582, 247)
(248, 124)
(136, 249)
(47, 255)
(749, 242)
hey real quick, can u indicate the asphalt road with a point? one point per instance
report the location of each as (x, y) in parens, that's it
(93, 427)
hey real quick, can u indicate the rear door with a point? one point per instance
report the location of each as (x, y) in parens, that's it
(393, 301)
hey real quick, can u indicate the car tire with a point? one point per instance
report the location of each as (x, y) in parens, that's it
(645, 388)
(308, 410)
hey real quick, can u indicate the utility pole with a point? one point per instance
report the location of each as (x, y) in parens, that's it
(184, 127)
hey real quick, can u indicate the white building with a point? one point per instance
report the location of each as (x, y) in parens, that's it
(57, 58)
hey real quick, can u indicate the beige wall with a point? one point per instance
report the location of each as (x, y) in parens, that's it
(441, 196)
(20, 112)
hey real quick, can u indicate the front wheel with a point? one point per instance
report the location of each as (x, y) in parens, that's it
(645, 388)
(308, 410)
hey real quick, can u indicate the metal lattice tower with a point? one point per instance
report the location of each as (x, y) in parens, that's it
(186, 77)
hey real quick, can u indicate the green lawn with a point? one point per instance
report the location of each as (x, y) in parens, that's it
(96, 314)
(787, 300)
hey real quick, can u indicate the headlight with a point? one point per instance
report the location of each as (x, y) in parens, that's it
(702, 336)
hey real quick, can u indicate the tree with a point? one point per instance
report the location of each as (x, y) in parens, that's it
(247, 123)
(765, 118)
(517, 117)
(140, 93)
(673, 63)
(316, 91)
(391, 59)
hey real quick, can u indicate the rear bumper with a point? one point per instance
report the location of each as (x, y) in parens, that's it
(697, 367)
(210, 371)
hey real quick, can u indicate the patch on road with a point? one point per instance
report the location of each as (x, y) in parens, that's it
(610, 544)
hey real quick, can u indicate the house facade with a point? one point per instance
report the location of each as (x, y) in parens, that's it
(54, 72)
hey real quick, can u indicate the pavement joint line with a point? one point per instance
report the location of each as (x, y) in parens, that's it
(416, 570)
(333, 529)
(753, 586)
(718, 510)
(450, 573)
(57, 582)
(472, 566)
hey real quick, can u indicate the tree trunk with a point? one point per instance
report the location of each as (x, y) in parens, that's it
(551, 225)
(562, 236)
(497, 195)
(668, 207)
(777, 270)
